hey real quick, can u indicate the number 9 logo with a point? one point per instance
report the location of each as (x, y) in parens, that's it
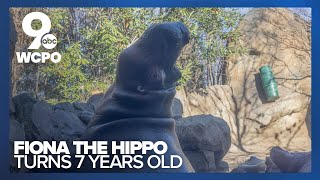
(38, 34)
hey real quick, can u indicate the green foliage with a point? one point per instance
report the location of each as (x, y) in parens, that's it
(67, 77)
(102, 47)
(90, 41)
(211, 29)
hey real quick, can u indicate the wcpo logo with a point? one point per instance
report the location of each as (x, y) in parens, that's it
(41, 37)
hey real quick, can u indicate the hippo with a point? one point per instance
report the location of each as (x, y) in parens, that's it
(137, 107)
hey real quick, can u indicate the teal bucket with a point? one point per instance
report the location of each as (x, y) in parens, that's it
(269, 83)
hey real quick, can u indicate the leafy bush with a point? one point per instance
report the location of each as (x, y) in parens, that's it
(91, 39)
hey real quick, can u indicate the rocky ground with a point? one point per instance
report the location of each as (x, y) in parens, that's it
(205, 139)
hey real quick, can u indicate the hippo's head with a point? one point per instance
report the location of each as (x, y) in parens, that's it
(149, 63)
(146, 75)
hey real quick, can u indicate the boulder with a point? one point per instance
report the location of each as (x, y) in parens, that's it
(291, 162)
(65, 106)
(278, 38)
(281, 39)
(21, 126)
(85, 116)
(16, 128)
(271, 167)
(218, 101)
(252, 165)
(201, 161)
(176, 108)
(306, 168)
(205, 139)
(23, 104)
(96, 100)
(222, 167)
(34, 120)
(84, 111)
(12, 108)
(56, 124)
(16, 131)
(80, 106)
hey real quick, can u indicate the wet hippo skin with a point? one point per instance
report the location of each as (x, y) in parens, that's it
(138, 105)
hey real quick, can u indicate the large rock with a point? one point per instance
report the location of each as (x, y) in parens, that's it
(23, 106)
(291, 162)
(56, 124)
(80, 106)
(274, 37)
(281, 39)
(85, 116)
(65, 106)
(205, 140)
(16, 128)
(84, 111)
(271, 166)
(33, 120)
(176, 108)
(21, 125)
(252, 165)
(96, 100)
(16, 131)
(218, 101)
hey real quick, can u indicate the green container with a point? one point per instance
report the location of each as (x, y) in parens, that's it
(269, 83)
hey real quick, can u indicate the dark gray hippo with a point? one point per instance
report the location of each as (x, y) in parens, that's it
(138, 105)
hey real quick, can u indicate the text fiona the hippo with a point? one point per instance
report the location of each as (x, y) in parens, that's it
(95, 154)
